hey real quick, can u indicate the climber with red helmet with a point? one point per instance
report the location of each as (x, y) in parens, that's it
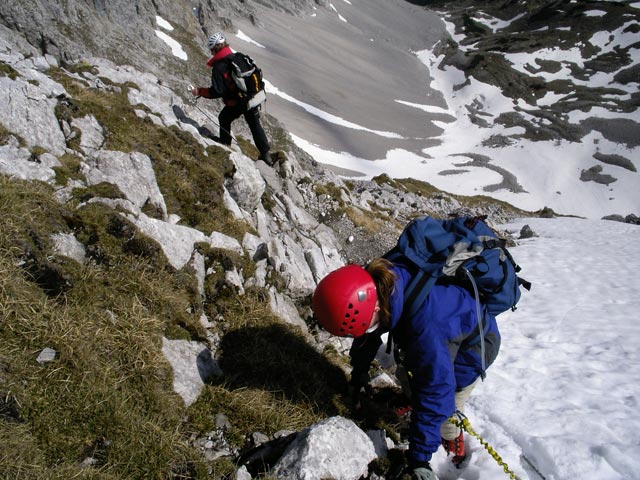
(439, 345)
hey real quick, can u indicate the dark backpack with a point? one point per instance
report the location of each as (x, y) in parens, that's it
(463, 251)
(246, 75)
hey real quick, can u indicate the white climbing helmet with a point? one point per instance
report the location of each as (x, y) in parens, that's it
(216, 39)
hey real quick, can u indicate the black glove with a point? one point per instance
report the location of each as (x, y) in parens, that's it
(397, 465)
(359, 381)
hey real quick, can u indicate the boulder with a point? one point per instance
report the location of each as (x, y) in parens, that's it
(29, 111)
(67, 245)
(247, 185)
(91, 138)
(193, 365)
(333, 448)
(20, 163)
(131, 172)
(177, 241)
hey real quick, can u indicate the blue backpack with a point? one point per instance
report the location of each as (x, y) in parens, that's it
(463, 251)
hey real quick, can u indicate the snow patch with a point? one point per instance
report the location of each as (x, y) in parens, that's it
(176, 48)
(270, 88)
(245, 38)
(162, 23)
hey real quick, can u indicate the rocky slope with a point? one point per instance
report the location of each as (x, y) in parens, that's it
(121, 215)
(125, 32)
(565, 73)
(104, 168)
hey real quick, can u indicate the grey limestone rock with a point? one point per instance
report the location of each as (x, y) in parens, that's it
(333, 448)
(131, 172)
(193, 364)
(67, 245)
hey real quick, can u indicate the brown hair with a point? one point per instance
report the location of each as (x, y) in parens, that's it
(221, 45)
(384, 278)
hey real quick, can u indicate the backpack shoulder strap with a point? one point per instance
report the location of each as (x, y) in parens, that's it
(422, 248)
(418, 291)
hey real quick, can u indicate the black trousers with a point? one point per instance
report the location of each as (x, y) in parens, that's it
(252, 117)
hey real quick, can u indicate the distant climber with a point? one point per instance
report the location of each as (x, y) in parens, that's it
(238, 101)
(438, 347)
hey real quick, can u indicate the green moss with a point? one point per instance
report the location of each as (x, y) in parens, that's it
(268, 202)
(546, 212)
(222, 296)
(69, 170)
(384, 179)
(481, 202)
(128, 84)
(276, 279)
(29, 216)
(247, 147)
(36, 152)
(418, 187)
(108, 394)
(71, 84)
(476, 202)
(330, 189)
(248, 410)
(8, 71)
(190, 178)
(82, 67)
(4, 135)
(370, 221)
(100, 190)
(279, 138)
(108, 236)
(74, 140)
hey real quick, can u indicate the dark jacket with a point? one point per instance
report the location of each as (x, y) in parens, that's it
(222, 85)
(440, 346)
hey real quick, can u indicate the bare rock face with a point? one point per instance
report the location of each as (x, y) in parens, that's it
(30, 113)
(333, 448)
(193, 365)
(125, 32)
(131, 172)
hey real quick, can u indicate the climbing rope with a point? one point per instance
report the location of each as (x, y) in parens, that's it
(463, 422)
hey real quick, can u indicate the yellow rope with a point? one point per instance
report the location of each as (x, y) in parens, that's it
(463, 422)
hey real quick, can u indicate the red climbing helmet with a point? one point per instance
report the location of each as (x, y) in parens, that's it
(344, 301)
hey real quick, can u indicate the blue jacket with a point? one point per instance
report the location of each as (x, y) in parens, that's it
(441, 350)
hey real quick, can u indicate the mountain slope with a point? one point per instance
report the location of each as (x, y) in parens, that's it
(155, 286)
(154, 283)
(535, 104)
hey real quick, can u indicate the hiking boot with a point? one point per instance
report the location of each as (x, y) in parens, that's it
(266, 158)
(456, 448)
(213, 137)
